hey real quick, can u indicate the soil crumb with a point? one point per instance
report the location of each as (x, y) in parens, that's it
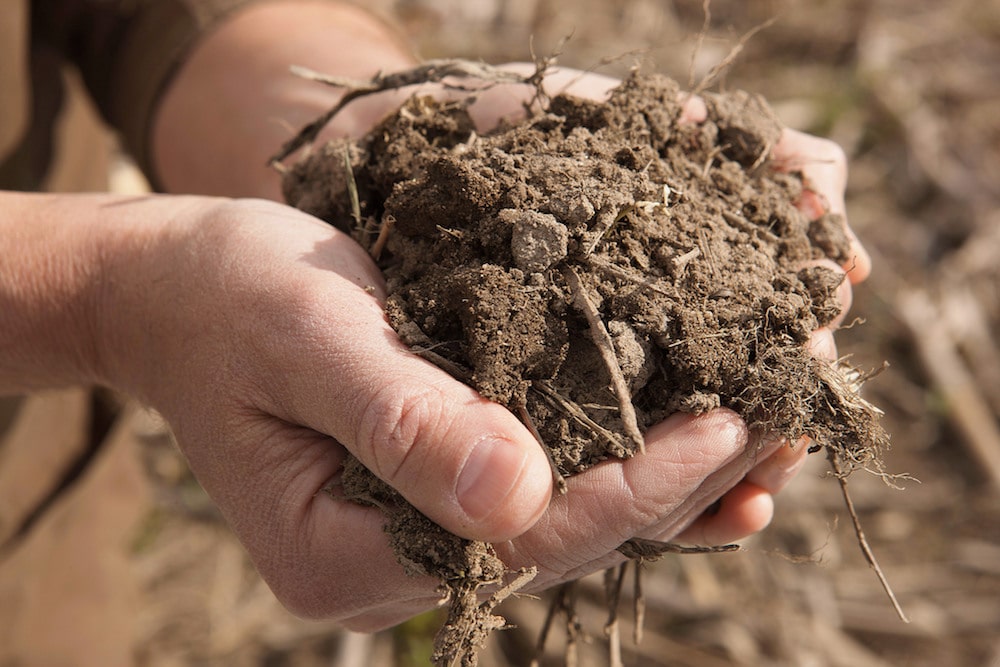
(594, 268)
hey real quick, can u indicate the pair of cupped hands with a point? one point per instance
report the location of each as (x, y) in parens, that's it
(259, 333)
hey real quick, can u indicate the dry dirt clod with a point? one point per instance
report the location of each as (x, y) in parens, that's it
(539, 264)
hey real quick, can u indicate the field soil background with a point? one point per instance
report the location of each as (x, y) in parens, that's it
(911, 90)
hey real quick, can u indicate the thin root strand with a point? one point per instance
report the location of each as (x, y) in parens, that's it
(602, 339)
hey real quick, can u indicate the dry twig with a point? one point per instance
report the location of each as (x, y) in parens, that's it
(575, 411)
(606, 219)
(838, 471)
(638, 603)
(383, 236)
(607, 267)
(557, 479)
(432, 71)
(564, 602)
(614, 578)
(645, 550)
(730, 58)
(602, 339)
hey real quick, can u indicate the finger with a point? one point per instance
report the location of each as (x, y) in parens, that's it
(740, 512)
(693, 109)
(464, 461)
(824, 171)
(823, 166)
(719, 484)
(689, 463)
(587, 85)
(746, 509)
(822, 345)
(776, 471)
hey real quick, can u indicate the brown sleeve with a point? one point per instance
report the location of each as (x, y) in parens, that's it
(14, 91)
(127, 51)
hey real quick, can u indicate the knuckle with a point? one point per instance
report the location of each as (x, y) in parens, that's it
(832, 153)
(837, 156)
(394, 423)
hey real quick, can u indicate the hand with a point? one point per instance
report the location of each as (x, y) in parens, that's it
(824, 169)
(689, 463)
(302, 327)
(281, 361)
(700, 458)
(257, 331)
(259, 334)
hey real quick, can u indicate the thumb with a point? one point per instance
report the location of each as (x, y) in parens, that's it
(465, 462)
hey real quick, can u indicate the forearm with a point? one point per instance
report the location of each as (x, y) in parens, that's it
(64, 259)
(49, 279)
(234, 101)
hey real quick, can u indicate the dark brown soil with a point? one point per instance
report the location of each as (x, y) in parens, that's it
(594, 269)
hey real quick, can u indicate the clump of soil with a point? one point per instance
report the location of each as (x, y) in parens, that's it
(593, 268)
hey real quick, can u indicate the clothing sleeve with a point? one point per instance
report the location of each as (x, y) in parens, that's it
(127, 51)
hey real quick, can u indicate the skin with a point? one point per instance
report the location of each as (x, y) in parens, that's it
(258, 332)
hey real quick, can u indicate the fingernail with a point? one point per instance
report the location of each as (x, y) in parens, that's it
(488, 476)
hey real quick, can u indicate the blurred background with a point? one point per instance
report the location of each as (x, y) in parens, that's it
(911, 90)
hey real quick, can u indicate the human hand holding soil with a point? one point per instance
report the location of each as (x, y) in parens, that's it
(260, 334)
(537, 166)
(323, 537)
(256, 330)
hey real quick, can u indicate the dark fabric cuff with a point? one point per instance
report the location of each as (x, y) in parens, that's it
(129, 50)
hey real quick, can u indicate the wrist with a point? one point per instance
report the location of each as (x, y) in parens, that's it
(144, 288)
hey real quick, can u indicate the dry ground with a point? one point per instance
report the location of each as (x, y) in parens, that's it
(911, 90)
